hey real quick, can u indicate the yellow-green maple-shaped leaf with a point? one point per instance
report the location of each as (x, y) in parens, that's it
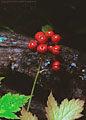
(25, 115)
(68, 110)
(52, 108)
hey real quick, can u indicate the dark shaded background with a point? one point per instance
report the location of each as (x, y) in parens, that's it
(66, 16)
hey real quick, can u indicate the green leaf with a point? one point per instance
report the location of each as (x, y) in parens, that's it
(10, 104)
(8, 28)
(9, 115)
(68, 110)
(46, 28)
(1, 78)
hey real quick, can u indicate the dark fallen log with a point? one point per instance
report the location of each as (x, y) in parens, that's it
(69, 81)
(15, 56)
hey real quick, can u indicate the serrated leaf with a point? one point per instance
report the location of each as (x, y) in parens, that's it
(68, 110)
(9, 115)
(27, 115)
(46, 28)
(10, 104)
(52, 109)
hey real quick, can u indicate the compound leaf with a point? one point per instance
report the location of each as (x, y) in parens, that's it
(68, 110)
(27, 115)
(10, 104)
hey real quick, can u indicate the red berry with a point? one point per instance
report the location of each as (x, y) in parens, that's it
(57, 47)
(38, 34)
(55, 50)
(42, 48)
(32, 45)
(55, 68)
(56, 63)
(49, 33)
(40, 37)
(50, 48)
(55, 38)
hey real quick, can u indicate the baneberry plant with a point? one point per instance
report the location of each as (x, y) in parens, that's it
(42, 46)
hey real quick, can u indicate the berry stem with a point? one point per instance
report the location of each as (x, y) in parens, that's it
(37, 74)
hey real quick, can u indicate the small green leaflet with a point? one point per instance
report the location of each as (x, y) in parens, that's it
(68, 110)
(46, 28)
(9, 104)
(1, 78)
(8, 28)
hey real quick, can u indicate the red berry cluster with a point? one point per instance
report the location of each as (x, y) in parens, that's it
(42, 45)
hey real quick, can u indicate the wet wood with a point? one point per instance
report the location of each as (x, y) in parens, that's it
(15, 55)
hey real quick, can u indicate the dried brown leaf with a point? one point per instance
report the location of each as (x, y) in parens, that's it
(25, 115)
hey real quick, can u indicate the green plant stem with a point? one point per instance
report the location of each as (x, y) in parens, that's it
(37, 74)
